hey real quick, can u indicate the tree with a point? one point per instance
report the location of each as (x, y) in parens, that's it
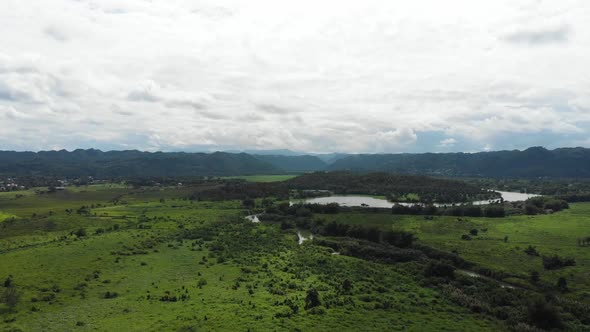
(531, 251)
(312, 299)
(562, 284)
(534, 277)
(8, 282)
(347, 285)
(249, 203)
(81, 232)
(440, 270)
(474, 232)
(544, 315)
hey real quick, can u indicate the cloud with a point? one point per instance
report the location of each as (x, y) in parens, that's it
(56, 33)
(371, 76)
(447, 142)
(274, 109)
(560, 34)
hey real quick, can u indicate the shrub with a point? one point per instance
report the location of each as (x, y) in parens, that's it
(10, 297)
(80, 232)
(555, 262)
(110, 295)
(544, 315)
(562, 284)
(465, 237)
(531, 251)
(495, 211)
(474, 232)
(440, 270)
(312, 299)
(8, 282)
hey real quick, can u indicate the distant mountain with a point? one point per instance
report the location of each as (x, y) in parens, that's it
(131, 164)
(277, 152)
(331, 157)
(532, 162)
(294, 164)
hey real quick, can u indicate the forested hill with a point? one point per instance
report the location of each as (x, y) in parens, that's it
(532, 162)
(131, 164)
(396, 187)
(294, 164)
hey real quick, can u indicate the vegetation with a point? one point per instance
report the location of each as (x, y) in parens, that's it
(183, 258)
(531, 163)
(294, 164)
(393, 186)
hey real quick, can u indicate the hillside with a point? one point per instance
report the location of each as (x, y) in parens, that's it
(130, 164)
(294, 164)
(396, 187)
(533, 162)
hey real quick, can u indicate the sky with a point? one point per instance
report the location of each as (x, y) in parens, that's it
(317, 76)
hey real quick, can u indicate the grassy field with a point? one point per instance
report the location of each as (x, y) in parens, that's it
(549, 234)
(150, 260)
(262, 178)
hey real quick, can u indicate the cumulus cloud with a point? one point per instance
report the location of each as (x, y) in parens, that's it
(558, 34)
(447, 142)
(372, 76)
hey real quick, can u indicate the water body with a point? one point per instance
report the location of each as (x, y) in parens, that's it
(382, 203)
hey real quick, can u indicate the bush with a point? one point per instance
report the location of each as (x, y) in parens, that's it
(531, 251)
(562, 284)
(110, 295)
(312, 299)
(465, 237)
(10, 297)
(474, 232)
(543, 315)
(495, 211)
(555, 262)
(440, 270)
(80, 232)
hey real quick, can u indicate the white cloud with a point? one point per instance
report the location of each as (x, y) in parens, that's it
(447, 142)
(374, 76)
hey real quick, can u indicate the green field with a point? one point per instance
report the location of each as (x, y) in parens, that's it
(262, 178)
(148, 259)
(549, 234)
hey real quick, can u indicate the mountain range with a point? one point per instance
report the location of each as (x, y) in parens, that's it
(530, 163)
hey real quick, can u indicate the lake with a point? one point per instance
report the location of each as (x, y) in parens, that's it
(382, 203)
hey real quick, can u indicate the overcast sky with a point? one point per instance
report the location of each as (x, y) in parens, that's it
(307, 75)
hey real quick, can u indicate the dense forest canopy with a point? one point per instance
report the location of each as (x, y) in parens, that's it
(394, 186)
(532, 163)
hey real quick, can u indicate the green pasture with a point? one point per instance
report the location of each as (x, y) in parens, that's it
(228, 275)
(553, 234)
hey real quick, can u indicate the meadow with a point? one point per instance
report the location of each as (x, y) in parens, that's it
(117, 258)
(500, 243)
(156, 280)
